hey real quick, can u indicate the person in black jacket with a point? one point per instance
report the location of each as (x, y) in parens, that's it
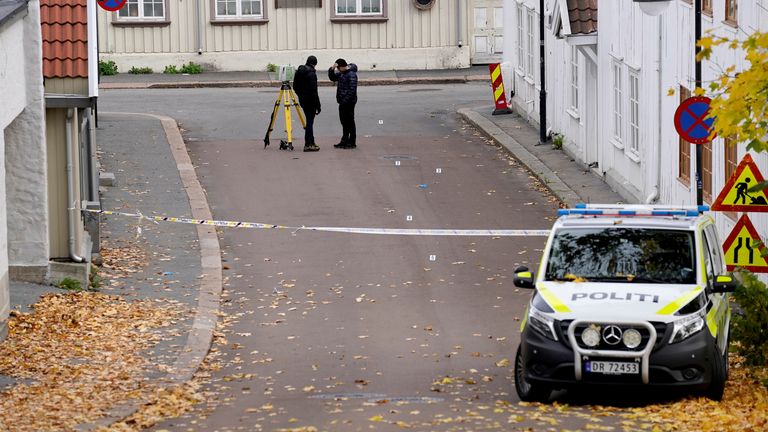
(305, 84)
(346, 95)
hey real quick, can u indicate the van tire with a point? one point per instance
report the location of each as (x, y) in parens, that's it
(526, 391)
(719, 374)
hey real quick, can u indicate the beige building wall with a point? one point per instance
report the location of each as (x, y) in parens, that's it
(56, 133)
(77, 86)
(419, 38)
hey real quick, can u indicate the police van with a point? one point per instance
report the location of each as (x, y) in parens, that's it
(626, 295)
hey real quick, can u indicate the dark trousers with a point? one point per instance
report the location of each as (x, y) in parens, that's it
(347, 117)
(309, 131)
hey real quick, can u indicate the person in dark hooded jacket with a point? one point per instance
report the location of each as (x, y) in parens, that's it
(346, 95)
(305, 84)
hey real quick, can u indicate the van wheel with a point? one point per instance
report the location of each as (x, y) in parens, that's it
(527, 391)
(719, 374)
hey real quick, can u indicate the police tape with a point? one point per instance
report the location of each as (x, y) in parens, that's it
(349, 230)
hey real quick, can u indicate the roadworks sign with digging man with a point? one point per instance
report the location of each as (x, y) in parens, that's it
(739, 193)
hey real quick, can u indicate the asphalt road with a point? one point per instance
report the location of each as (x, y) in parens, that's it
(348, 332)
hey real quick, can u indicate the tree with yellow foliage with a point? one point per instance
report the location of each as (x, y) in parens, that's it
(740, 109)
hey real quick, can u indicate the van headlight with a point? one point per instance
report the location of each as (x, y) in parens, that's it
(543, 324)
(687, 327)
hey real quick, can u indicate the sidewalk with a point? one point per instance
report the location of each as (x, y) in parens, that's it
(567, 179)
(270, 79)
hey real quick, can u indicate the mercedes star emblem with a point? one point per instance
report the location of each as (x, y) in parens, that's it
(612, 335)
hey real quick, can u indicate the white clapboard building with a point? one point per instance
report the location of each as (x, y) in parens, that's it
(615, 77)
(247, 35)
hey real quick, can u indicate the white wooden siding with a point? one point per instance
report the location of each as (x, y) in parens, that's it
(288, 29)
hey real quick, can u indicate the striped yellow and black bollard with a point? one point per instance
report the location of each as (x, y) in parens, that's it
(499, 96)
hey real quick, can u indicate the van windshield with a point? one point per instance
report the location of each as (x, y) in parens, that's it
(622, 255)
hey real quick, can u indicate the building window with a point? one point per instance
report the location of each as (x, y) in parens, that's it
(634, 112)
(575, 78)
(706, 171)
(142, 10)
(239, 8)
(520, 37)
(706, 7)
(731, 158)
(684, 149)
(530, 66)
(731, 11)
(618, 99)
(359, 7)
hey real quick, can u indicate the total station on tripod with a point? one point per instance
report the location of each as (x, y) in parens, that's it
(287, 98)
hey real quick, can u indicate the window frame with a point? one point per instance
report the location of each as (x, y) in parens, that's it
(574, 93)
(617, 85)
(140, 20)
(521, 57)
(633, 119)
(684, 150)
(239, 18)
(706, 171)
(359, 16)
(530, 68)
(706, 7)
(731, 5)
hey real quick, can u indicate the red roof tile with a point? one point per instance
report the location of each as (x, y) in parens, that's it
(583, 16)
(65, 38)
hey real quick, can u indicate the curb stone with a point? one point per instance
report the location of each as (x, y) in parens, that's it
(206, 316)
(259, 84)
(546, 176)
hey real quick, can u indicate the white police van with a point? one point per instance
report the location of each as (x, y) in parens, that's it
(626, 295)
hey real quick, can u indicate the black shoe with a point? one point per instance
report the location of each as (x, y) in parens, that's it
(341, 144)
(350, 146)
(311, 148)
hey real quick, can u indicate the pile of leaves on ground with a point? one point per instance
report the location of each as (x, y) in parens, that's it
(744, 406)
(75, 356)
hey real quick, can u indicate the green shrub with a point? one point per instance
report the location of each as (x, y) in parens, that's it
(272, 67)
(107, 67)
(171, 69)
(191, 68)
(140, 70)
(557, 141)
(70, 284)
(749, 329)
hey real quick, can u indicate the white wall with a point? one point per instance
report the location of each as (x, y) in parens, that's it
(25, 159)
(13, 89)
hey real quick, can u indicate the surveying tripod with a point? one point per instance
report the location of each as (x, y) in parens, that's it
(288, 98)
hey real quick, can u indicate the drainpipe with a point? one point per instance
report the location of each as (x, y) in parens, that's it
(459, 32)
(654, 196)
(200, 27)
(74, 211)
(543, 74)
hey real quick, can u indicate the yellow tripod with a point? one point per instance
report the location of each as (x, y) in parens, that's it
(288, 98)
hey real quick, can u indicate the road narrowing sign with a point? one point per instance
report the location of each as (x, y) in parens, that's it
(692, 121)
(739, 251)
(736, 196)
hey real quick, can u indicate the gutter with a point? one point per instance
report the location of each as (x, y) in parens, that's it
(74, 211)
(459, 30)
(654, 196)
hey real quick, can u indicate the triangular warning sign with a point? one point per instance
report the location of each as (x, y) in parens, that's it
(736, 196)
(739, 251)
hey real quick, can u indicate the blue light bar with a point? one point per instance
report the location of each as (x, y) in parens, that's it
(618, 212)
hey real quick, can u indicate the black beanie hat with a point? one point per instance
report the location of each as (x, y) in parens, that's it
(312, 60)
(341, 62)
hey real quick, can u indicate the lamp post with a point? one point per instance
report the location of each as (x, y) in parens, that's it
(656, 7)
(543, 79)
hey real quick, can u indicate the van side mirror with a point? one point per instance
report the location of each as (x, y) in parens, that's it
(523, 278)
(724, 284)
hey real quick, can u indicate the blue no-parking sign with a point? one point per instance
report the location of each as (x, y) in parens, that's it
(692, 121)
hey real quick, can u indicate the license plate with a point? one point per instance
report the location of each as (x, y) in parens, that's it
(612, 368)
